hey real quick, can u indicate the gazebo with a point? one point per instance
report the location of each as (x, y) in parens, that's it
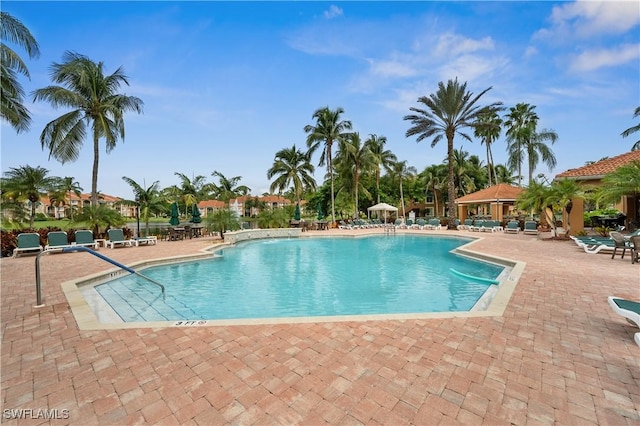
(499, 198)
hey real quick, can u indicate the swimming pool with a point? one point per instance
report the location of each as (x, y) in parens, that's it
(308, 277)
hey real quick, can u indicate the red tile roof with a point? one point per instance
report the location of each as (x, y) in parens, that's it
(602, 167)
(501, 191)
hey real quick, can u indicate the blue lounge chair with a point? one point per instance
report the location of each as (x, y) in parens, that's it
(28, 242)
(84, 238)
(530, 227)
(628, 309)
(513, 227)
(57, 240)
(116, 237)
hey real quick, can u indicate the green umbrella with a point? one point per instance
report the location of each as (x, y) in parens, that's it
(195, 214)
(175, 217)
(296, 215)
(319, 208)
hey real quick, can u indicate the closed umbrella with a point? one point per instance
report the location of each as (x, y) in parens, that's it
(296, 215)
(320, 215)
(195, 214)
(175, 217)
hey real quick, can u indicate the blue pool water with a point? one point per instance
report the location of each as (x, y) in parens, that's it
(305, 277)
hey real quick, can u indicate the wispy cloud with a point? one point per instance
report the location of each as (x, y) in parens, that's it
(333, 12)
(594, 59)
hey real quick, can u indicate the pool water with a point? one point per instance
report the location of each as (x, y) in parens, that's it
(306, 277)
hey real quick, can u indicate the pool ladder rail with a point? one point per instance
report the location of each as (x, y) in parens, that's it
(389, 229)
(93, 252)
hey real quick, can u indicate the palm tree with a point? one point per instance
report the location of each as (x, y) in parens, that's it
(448, 111)
(355, 157)
(192, 190)
(99, 218)
(96, 107)
(222, 220)
(503, 174)
(57, 198)
(146, 200)
(28, 183)
(625, 181)
(563, 192)
(399, 170)
(435, 177)
(328, 129)
(292, 168)
(537, 198)
(69, 186)
(488, 128)
(630, 130)
(381, 158)
(228, 188)
(523, 139)
(13, 111)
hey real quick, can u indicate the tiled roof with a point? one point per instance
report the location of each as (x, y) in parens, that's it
(602, 167)
(216, 204)
(501, 191)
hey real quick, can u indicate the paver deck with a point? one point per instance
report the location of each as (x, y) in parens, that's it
(558, 355)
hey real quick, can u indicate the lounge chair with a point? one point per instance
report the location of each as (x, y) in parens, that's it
(627, 309)
(150, 240)
(57, 240)
(618, 242)
(634, 242)
(465, 225)
(513, 227)
(434, 224)
(530, 227)
(28, 242)
(84, 238)
(116, 237)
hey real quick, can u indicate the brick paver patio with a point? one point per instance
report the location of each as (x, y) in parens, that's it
(558, 355)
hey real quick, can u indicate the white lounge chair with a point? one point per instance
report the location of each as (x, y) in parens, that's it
(628, 309)
(28, 242)
(57, 240)
(116, 237)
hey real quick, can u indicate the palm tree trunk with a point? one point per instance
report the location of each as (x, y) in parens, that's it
(330, 170)
(495, 175)
(356, 209)
(488, 161)
(450, 186)
(378, 184)
(94, 173)
(402, 201)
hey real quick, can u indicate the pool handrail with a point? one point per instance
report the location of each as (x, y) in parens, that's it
(93, 252)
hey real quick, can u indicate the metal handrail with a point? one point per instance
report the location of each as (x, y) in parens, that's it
(87, 250)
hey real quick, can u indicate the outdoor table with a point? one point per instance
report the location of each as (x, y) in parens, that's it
(178, 234)
(196, 231)
(321, 225)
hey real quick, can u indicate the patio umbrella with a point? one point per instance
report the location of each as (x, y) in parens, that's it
(319, 208)
(383, 207)
(195, 214)
(175, 217)
(296, 215)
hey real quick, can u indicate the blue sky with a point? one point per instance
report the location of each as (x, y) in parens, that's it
(228, 84)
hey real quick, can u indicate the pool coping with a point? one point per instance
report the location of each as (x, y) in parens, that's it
(86, 319)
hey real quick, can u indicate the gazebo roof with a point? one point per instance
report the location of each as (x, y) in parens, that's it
(499, 192)
(600, 168)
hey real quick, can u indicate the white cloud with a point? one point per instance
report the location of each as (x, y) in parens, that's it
(334, 11)
(594, 59)
(454, 44)
(586, 19)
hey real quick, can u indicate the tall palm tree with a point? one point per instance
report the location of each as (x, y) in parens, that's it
(357, 158)
(633, 129)
(503, 174)
(57, 198)
(292, 168)
(488, 128)
(70, 186)
(448, 111)
(382, 158)
(147, 200)
(96, 106)
(329, 128)
(228, 188)
(13, 31)
(400, 170)
(28, 183)
(523, 140)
